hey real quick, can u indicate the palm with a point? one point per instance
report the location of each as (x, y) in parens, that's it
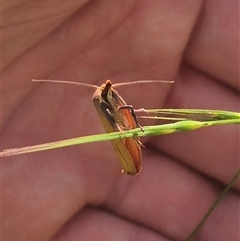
(82, 185)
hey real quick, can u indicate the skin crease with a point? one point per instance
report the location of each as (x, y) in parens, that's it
(78, 193)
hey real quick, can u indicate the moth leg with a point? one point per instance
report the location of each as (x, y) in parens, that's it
(129, 107)
(140, 110)
(106, 109)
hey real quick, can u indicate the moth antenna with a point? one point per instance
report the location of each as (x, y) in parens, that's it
(65, 82)
(143, 82)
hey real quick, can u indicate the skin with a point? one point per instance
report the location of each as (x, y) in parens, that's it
(79, 193)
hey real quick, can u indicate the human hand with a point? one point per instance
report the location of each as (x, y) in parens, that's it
(78, 192)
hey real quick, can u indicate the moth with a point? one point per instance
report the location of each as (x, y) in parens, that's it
(116, 115)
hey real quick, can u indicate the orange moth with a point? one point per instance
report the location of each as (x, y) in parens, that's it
(116, 115)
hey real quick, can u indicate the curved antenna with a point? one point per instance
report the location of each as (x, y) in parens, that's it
(143, 82)
(96, 87)
(65, 82)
